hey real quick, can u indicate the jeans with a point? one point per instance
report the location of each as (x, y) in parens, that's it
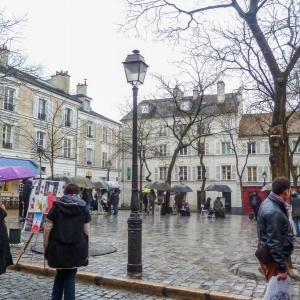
(64, 284)
(296, 221)
(88, 206)
(115, 206)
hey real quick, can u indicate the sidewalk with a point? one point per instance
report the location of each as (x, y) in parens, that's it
(194, 252)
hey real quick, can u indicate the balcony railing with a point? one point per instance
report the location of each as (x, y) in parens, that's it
(89, 135)
(8, 106)
(88, 162)
(7, 145)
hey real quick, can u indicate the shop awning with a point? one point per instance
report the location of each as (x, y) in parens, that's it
(29, 164)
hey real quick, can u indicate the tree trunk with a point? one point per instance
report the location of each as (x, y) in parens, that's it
(203, 189)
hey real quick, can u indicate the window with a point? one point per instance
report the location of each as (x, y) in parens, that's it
(252, 174)
(40, 139)
(183, 151)
(200, 172)
(42, 109)
(89, 130)
(104, 134)
(225, 148)
(226, 172)
(163, 173)
(128, 173)
(163, 150)
(89, 156)
(67, 148)
(87, 105)
(68, 114)
(145, 109)
(180, 128)
(9, 99)
(5, 186)
(297, 148)
(251, 148)
(201, 128)
(183, 173)
(162, 130)
(6, 139)
(104, 159)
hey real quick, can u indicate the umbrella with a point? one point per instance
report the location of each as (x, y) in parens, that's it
(267, 187)
(219, 188)
(147, 191)
(159, 185)
(8, 173)
(180, 188)
(82, 182)
(60, 177)
(114, 184)
(100, 184)
(148, 184)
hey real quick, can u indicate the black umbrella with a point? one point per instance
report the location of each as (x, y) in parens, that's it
(180, 188)
(60, 177)
(159, 185)
(100, 184)
(219, 188)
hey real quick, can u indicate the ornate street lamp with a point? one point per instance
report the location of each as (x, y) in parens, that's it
(180, 176)
(135, 70)
(108, 166)
(264, 176)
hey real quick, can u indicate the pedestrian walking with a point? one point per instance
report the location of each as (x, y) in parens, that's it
(296, 211)
(66, 240)
(115, 201)
(27, 187)
(145, 201)
(21, 203)
(87, 197)
(274, 231)
(151, 199)
(255, 203)
(5, 254)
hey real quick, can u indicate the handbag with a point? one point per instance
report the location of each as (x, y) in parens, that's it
(263, 254)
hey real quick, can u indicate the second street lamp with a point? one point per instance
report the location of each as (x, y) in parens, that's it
(264, 176)
(135, 70)
(108, 166)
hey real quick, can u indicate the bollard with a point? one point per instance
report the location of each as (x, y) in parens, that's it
(14, 235)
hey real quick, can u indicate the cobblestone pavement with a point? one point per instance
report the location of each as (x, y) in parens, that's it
(22, 286)
(188, 251)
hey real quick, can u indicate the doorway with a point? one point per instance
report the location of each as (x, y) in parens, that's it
(227, 197)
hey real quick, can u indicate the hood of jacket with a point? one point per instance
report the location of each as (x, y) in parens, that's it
(28, 182)
(70, 205)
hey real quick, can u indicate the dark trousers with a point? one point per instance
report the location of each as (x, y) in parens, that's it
(255, 209)
(64, 284)
(21, 207)
(25, 210)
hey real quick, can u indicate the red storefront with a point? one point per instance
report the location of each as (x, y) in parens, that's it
(247, 195)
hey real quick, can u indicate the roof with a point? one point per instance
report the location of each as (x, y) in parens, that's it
(29, 164)
(210, 105)
(95, 114)
(259, 124)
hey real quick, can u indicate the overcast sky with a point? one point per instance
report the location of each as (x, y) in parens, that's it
(81, 37)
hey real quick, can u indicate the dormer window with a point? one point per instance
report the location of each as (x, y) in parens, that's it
(145, 109)
(87, 105)
(185, 105)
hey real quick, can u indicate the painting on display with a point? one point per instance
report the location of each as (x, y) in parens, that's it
(43, 194)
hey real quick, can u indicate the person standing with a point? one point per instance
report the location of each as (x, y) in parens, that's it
(151, 198)
(66, 240)
(255, 203)
(274, 229)
(296, 211)
(5, 254)
(87, 197)
(27, 187)
(21, 203)
(115, 201)
(145, 201)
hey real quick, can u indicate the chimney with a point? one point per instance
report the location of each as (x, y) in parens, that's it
(195, 93)
(177, 93)
(221, 91)
(4, 55)
(82, 88)
(61, 80)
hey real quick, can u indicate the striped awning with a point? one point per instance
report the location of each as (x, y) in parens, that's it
(29, 164)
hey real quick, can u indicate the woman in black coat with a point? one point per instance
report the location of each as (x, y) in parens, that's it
(5, 255)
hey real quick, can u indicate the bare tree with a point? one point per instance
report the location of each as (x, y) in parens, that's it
(261, 43)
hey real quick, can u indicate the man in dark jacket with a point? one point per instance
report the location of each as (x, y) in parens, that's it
(115, 201)
(274, 229)
(66, 248)
(255, 203)
(27, 187)
(296, 210)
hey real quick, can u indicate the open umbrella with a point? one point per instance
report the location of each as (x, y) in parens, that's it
(100, 184)
(267, 187)
(82, 182)
(8, 173)
(60, 177)
(159, 185)
(180, 188)
(219, 188)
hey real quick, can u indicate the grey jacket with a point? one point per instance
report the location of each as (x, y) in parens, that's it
(295, 205)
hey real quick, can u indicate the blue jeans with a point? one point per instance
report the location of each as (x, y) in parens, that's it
(64, 284)
(88, 206)
(296, 221)
(115, 206)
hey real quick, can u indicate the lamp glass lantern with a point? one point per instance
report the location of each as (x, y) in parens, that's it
(264, 175)
(108, 164)
(135, 68)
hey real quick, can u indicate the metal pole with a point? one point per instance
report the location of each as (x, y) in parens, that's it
(76, 144)
(134, 222)
(108, 174)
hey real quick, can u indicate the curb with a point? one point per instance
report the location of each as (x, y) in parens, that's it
(136, 285)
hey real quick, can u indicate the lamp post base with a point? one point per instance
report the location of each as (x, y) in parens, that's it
(134, 264)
